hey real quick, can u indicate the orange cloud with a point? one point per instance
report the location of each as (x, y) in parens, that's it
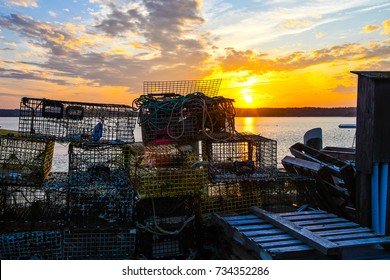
(386, 27)
(370, 28)
(292, 23)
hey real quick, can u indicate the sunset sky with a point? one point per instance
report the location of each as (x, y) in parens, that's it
(269, 53)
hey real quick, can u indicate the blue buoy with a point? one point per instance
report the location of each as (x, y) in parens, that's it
(97, 132)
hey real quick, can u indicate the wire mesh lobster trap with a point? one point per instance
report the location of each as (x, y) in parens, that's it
(243, 157)
(106, 206)
(31, 207)
(38, 245)
(167, 171)
(167, 118)
(183, 87)
(96, 164)
(76, 121)
(166, 227)
(99, 244)
(24, 161)
(286, 192)
(229, 198)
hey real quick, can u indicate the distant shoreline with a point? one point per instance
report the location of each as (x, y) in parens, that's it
(297, 112)
(262, 112)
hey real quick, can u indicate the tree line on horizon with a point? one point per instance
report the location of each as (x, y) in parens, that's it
(297, 112)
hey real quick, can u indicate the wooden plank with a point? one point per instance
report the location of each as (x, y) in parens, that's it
(332, 226)
(309, 217)
(343, 231)
(311, 212)
(321, 244)
(363, 242)
(319, 222)
(350, 236)
(290, 249)
(279, 237)
(246, 222)
(236, 218)
(263, 232)
(253, 227)
(279, 244)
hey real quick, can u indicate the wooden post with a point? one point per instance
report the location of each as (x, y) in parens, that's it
(372, 140)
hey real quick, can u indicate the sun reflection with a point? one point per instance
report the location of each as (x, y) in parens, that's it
(249, 125)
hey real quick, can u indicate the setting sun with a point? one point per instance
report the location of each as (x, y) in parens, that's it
(248, 98)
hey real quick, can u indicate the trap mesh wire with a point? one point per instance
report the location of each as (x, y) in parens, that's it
(166, 171)
(282, 192)
(286, 192)
(95, 164)
(171, 118)
(231, 198)
(243, 157)
(29, 207)
(24, 161)
(166, 227)
(76, 121)
(99, 244)
(183, 87)
(38, 245)
(106, 206)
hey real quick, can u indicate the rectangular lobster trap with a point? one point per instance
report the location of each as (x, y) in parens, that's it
(32, 245)
(285, 192)
(99, 244)
(103, 206)
(24, 161)
(179, 118)
(76, 121)
(243, 157)
(208, 87)
(166, 227)
(229, 198)
(167, 171)
(31, 207)
(98, 164)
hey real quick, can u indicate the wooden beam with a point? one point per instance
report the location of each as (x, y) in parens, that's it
(317, 242)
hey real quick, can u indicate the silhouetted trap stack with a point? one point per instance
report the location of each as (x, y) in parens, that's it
(166, 171)
(24, 161)
(99, 188)
(76, 121)
(166, 227)
(243, 157)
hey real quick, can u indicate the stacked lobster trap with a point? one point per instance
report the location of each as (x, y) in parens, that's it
(66, 121)
(91, 206)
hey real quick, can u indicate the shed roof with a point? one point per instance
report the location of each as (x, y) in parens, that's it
(373, 74)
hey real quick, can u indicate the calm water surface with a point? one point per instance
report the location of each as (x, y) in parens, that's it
(285, 130)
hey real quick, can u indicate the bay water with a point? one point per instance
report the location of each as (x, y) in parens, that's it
(285, 130)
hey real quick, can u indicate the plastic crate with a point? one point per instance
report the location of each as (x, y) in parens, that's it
(76, 121)
(243, 157)
(24, 161)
